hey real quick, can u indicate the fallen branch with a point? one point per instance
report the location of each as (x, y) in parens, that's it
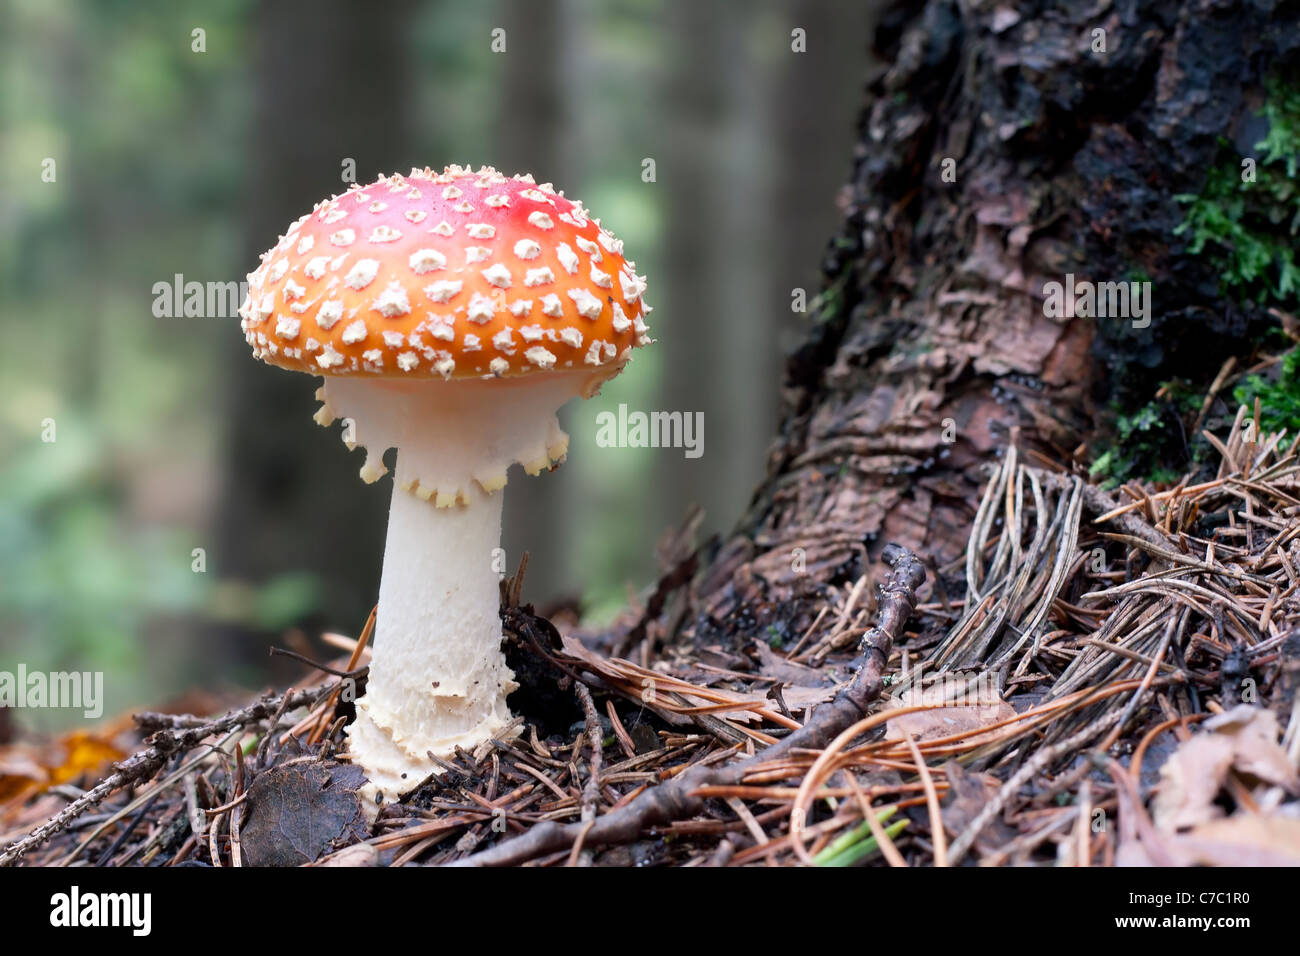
(189, 732)
(678, 798)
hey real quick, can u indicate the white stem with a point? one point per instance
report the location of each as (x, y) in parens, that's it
(438, 678)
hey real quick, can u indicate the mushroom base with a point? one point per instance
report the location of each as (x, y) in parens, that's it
(438, 678)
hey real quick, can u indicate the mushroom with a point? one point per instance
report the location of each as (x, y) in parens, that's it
(451, 315)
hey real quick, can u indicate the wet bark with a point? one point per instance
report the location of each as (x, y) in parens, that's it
(932, 317)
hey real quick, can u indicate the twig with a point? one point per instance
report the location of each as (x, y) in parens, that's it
(591, 790)
(143, 765)
(1041, 759)
(677, 798)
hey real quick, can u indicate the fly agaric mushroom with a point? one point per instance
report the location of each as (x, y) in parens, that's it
(451, 315)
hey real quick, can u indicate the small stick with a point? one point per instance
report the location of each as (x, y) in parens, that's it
(591, 790)
(144, 764)
(676, 798)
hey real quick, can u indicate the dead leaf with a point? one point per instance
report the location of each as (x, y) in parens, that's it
(969, 792)
(1244, 739)
(944, 721)
(1190, 781)
(84, 752)
(20, 774)
(25, 770)
(801, 698)
(359, 854)
(774, 665)
(298, 812)
(1244, 839)
(1257, 752)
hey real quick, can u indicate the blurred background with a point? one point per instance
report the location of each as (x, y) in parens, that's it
(168, 510)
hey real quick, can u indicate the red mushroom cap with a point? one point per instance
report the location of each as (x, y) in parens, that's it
(459, 274)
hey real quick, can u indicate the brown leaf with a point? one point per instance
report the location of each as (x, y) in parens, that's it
(298, 812)
(1256, 750)
(968, 793)
(801, 698)
(359, 854)
(1244, 839)
(20, 774)
(25, 770)
(1190, 780)
(83, 752)
(772, 664)
(1242, 739)
(943, 721)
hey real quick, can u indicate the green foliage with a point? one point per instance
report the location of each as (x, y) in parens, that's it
(858, 844)
(76, 583)
(829, 303)
(1283, 139)
(81, 580)
(1279, 399)
(1119, 462)
(1249, 229)
(1141, 438)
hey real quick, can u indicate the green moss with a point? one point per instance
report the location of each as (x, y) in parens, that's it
(1149, 435)
(1282, 143)
(829, 303)
(1138, 440)
(1279, 399)
(1248, 230)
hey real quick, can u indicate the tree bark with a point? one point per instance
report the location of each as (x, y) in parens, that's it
(1066, 160)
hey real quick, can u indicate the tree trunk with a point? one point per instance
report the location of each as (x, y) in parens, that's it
(283, 471)
(699, 370)
(530, 138)
(932, 324)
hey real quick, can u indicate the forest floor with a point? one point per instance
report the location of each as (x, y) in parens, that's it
(1099, 681)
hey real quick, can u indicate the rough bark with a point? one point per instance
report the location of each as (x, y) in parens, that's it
(1067, 161)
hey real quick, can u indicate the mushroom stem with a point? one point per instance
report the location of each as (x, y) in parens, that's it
(438, 678)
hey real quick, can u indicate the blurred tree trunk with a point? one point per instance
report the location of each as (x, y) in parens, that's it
(811, 138)
(708, 237)
(1066, 159)
(761, 120)
(532, 127)
(281, 509)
